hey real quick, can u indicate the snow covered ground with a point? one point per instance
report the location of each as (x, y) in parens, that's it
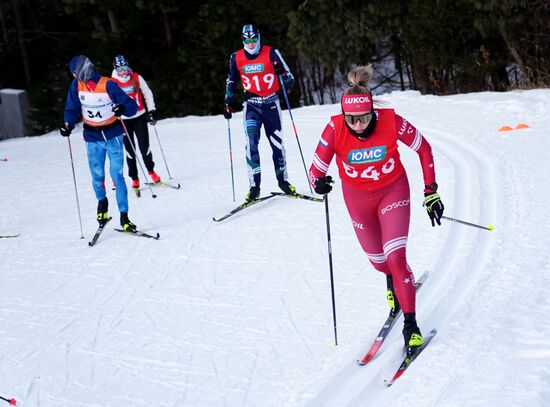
(238, 313)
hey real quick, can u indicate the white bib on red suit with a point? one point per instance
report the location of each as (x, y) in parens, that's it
(131, 86)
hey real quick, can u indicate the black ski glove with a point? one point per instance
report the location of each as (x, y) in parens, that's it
(119, 110)
(227, 112)
(66, 129)
(322, 185)
(152, 117)
(288, 80)
(434, 206)
(279, 68)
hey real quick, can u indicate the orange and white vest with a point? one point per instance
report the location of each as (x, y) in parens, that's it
(97, 106)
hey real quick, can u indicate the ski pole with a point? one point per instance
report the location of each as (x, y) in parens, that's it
(12, 401)
(137, 158)
(231, 158)
(331, 271)
(295, 131)
(75, 188)
(162, 151)
(488, 227)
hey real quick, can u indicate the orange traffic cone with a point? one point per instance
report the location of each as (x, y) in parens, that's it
(505, 128)
(521, 126)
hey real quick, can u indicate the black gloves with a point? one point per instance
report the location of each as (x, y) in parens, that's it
(322, 185)
(66, 129)
(119, 110)
(152, 117)
(288, 80)
(434, 206)
(227, 113)
(279, 68)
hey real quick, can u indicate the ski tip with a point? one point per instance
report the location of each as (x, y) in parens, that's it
(158, 236)
(388, 383)
(365, 360)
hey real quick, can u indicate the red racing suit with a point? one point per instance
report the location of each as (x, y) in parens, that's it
(376, 190)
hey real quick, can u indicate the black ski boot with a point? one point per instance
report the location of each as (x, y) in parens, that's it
(392, 298)
(126, 224)
(411, 333)
(253, 194)
(287, 188)
(102, 211)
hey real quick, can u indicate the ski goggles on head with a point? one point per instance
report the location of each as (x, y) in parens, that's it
(251, 40)
(353, 119)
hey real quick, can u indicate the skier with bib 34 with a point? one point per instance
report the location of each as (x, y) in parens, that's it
(376, 189)
(100, 102)
(258, 67)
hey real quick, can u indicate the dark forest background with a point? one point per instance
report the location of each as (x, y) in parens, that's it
(182, 48)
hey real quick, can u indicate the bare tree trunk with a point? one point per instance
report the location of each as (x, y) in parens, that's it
(513, 51)
(331, 83)
(167, 28)
(314, 76)
(97, 24)
(409, 75)
(318, 81)
(21, 41)
(397, 60)
(301, 80)
(113, 21)
(4, 26)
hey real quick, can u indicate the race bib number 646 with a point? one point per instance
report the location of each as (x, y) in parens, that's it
(370, 172)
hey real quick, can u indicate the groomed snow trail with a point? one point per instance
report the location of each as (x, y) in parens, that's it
(239, 313)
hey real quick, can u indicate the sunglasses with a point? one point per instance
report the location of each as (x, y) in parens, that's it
(363, 118)
(122, 68)
(251, 40)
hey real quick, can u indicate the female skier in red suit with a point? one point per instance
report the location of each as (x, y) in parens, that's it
(376, 188)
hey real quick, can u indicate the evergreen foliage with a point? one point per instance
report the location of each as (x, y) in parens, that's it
(182, 49)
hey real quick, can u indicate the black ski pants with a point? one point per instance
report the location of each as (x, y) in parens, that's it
(138, 126)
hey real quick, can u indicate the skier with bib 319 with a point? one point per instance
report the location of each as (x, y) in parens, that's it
(100, 102)
(376, 189)
(258, 67)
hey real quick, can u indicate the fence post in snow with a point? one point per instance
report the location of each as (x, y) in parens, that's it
(14, 111)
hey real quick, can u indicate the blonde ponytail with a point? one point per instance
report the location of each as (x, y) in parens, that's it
(358, 79)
